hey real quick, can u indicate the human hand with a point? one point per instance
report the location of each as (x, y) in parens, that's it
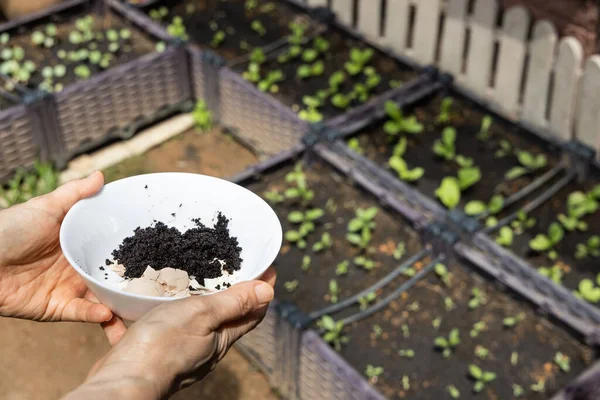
(177, 343)
(36, 280)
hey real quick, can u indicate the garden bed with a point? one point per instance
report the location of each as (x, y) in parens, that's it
(326, 76)
(231, 28)
(493, 331)
(453, 151)
(305, 275)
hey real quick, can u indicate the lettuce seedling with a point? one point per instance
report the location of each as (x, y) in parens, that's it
(366, 300)
(505, 236)
(481, 377)
(398, 164)
(554, 273)
(177, 29)
(258, 27)
(358, 60)
(477, 207)
(325, 243)
(448, 344)
(484, 131)
(591, 248)
(334, 291)
(203, 118)
(445, 112)
(446, 146)
(360, 227)
(546, 243)
(333, 332)
(398, 123)
(269, 83)
(218, 38)
(529, 164)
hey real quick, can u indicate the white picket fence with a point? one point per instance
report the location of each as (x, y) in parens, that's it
(525, 72)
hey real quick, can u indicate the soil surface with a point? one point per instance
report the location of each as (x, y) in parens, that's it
(466, 118)
(574, 270)
(534, 339)
(232, 18)
(130, 49)
(293, 89)
(61, 364)
(312, 291)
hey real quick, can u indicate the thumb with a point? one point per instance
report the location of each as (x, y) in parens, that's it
(236, 302)
(62, 199)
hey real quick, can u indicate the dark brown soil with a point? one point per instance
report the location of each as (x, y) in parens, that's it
(575, 270)
(207, 17)
(535, 340)
(293, 89)
(466, 119)
(5, 103)
(312, 292)
(130, 49)
(196, 251)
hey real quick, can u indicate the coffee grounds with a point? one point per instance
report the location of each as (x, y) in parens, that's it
(195, 251)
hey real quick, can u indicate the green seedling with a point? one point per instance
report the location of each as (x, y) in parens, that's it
(405, 331)
(361, 226)
(252, 74)
(291, 286)
(112, 35)
(591, 248)
(218, 39)
(159, 14)
(555, 273)
(414, 306)
(355, 146)
(331, 206)
(408, 353)
(398, 164)
(546, 243)
(484, 131)
(320, 44)
(445, 147)
(365, 263)
(562, 361)
(453, 392)
(342, 268)
(309, 55)
(510, 322)
(267, 7)
(522, 223)
(373, 373)
(301, 190)
(324, 244)
(405, 382)
(95, 57)
(82, 71)
(38, 38)
(445, 110)
(395, 84)
(125, 34)
(481, 352)
(505, 236)
(75, 37)
(341, 101)
(306, 222)
(481, 377)
(336, 80)
(334, 291)
(251, 5)
(448, 344)
(398, 123)
(4, 38)
(274, 197)
(436, 323)
(517, 390)
(306, 261)
(449, 304)
(493, 207)
(588, 291)
(449, 192)
(514, 358)
(529, 164)
(297, 29)
(442, 272)
(410, 272)
(579, 205)
(306, 71)
(505, 149)
(333, 332)
(377, 331)
(366, 300)
(539, 387)
(358, 60)
(311, 115)
(478, 298)
(399, 251)
(477, 328)
(26, 185)
(258, 27)
(177, 29)
(202, 116)
(373, 78)
(269, 83)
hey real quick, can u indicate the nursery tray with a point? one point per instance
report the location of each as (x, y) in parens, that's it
(409, 323)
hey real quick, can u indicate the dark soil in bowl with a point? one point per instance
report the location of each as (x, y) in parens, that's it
(130, 49)
(339, 200)
(574, 270)
(293, 89)
(521, 355)
(204, 18)
(198, 251)
(466, 118)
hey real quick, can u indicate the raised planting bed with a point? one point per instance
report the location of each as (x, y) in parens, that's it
(327, 75)
(454, 335)
(106, 76)
(454, 154)
(231, 28)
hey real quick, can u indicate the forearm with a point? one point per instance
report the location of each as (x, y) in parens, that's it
(115, 389)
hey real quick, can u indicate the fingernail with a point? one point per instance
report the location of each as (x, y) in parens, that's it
(264, 293)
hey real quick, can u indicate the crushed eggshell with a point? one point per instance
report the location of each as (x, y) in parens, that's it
(174, 280)
(146, 287)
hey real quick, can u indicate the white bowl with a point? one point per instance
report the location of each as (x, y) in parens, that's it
(94, 227)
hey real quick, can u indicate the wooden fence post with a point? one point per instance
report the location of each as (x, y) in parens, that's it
(396, 25)
(453, 37)
(427, 25)
(587, 126)
(369, 18)
(344, 11)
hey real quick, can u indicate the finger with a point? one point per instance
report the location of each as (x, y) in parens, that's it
(114, 330)
(82, 310)
(65, 197)
(270, 276)
(235, 303)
